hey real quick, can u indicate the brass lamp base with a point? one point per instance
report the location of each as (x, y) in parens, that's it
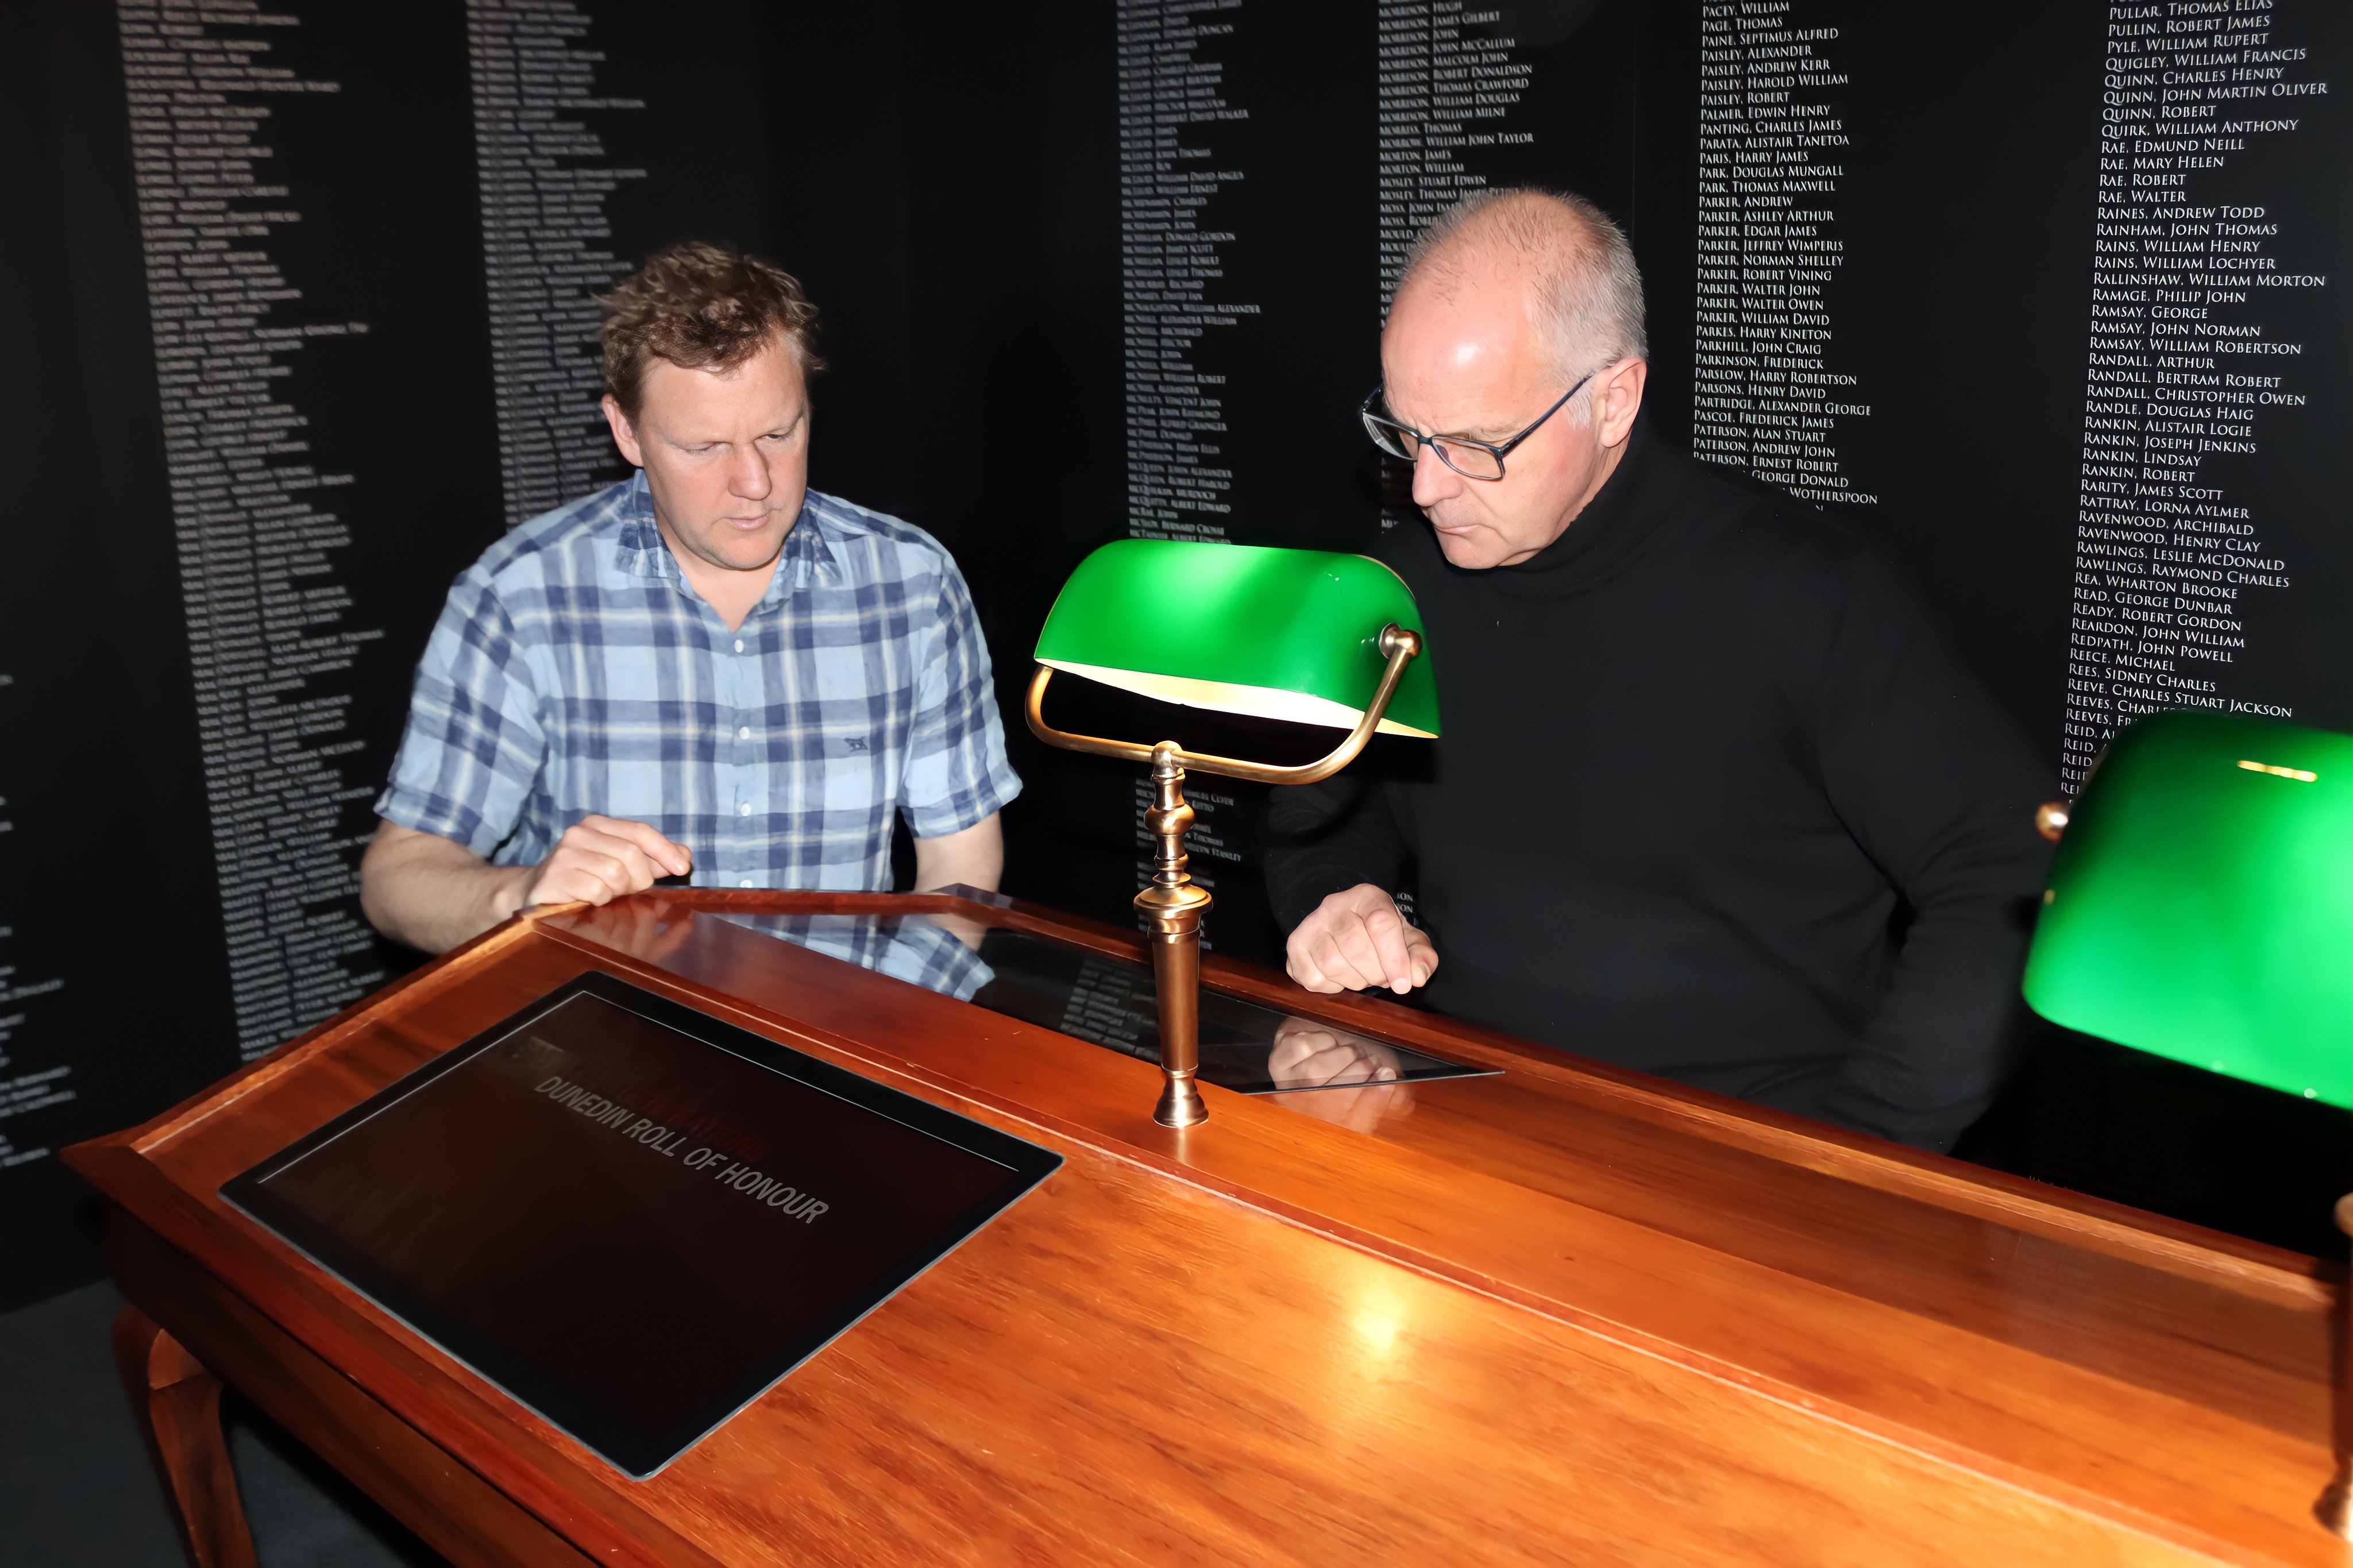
(2335, 1509)
(1180, 1103)
(1172, 905)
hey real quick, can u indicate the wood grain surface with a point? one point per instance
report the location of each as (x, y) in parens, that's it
(1565, 1314)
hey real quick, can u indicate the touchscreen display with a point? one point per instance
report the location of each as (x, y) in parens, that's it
(1107, 1001)
(631, 1216)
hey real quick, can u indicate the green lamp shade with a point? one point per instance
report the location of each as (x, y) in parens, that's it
(2201, 904)
(1277, 634)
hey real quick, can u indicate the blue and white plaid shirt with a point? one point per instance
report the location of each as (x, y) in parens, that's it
(574, 670)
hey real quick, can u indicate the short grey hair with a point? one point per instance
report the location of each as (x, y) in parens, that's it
(1588, 294)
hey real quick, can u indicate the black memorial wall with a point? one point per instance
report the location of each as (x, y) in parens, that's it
(2038, 298)
(297, 302)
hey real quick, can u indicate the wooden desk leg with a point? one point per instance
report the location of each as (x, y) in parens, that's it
(176, 1402)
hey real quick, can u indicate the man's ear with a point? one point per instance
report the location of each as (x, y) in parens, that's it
(1620, 398)
(624, 434)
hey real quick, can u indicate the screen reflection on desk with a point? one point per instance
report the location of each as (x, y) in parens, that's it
(919, 948)
(1110, 1002)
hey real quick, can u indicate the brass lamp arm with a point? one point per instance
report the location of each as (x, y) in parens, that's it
(1396, 641)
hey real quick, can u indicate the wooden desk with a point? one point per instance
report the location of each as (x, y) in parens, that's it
(1566, 1314)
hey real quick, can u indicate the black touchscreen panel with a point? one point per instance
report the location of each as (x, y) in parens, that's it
(631, 1216)
(1107, 1001)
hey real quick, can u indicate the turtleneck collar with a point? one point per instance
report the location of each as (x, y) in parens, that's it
(1612, 532)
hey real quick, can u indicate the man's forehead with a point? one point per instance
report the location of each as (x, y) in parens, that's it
(1461, 359)
(768, 386)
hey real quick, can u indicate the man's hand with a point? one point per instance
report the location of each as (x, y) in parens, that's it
(599, 858)
(433, 894)
(1355, 940)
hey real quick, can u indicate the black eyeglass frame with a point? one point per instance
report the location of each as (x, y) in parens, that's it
(1414, 440)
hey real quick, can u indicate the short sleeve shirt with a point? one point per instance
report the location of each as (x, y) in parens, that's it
(574, 670)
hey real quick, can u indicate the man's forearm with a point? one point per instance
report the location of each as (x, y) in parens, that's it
(1937, 1052)
(975, 858)
(433, 894)
(1324, 839)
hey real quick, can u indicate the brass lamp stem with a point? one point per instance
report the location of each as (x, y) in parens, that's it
(1172, 908)
(1172, 905)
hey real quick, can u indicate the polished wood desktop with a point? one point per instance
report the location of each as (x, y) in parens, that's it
(1564, 1314)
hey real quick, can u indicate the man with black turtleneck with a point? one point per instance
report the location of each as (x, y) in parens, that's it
(1715, 799)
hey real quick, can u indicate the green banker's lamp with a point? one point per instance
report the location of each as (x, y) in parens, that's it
(1305, 636)
(2201, 907)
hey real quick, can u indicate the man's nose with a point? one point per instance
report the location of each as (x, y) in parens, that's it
(1433, 481)
(748, 475)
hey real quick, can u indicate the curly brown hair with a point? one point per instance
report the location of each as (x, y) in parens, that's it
(701, 307)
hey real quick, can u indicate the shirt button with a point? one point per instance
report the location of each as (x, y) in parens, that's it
(744, 733)
(747, 881)
(739, 644)
(745, 809)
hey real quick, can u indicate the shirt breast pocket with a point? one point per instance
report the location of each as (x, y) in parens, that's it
(857, 776)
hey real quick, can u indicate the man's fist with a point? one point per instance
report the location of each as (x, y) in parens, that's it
(1355, 940)
(601, 858)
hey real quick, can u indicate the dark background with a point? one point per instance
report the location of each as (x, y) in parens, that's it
(945, 180)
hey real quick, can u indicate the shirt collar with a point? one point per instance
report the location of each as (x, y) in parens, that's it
(808, 556)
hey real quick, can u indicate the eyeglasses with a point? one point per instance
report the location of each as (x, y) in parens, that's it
(1472, 460)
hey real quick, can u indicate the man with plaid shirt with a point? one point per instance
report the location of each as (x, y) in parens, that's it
(706, 669)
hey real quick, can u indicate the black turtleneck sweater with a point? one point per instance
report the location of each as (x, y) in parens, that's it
(1715, 799)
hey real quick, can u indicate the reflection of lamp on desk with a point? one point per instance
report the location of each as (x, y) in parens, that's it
(1299, 635)
(2201, 907)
